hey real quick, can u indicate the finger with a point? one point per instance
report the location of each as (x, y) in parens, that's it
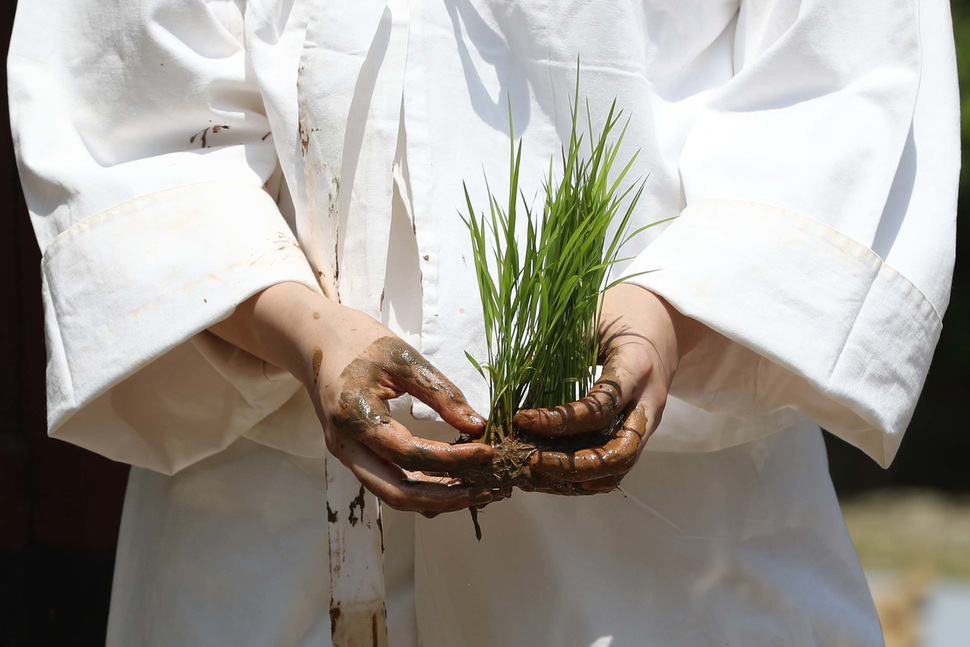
(548, 485)
(433, 478)
(364, 417)
(602, 486)
(616, 457)
(399, 490)
(595, 412)
(429, 478)
(415, 375)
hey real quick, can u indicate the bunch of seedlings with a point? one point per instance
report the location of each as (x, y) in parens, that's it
(541, 296)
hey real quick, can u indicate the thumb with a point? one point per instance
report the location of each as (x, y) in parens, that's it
(413, 374)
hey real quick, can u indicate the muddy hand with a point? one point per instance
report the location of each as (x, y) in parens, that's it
(639, 354)
(351, 366)
(380, 451)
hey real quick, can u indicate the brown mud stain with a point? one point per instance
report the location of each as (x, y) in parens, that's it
(336, 263)
(380, 525)
(316, 361)
(334, 617)
(336, 561)
(360, 411)
(331, 514)
(304, 138)
(283, 241)
(203, 134)
(356, 505)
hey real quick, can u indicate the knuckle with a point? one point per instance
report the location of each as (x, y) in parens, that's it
(621, 461)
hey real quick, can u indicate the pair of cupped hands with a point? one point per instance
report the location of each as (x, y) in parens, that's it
(351, 365)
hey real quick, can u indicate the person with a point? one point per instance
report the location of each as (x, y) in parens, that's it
(247, 212)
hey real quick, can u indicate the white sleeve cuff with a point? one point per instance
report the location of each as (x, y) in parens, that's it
(127, 286)
(844, 337)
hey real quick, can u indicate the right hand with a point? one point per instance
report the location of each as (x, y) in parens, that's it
(351, 365)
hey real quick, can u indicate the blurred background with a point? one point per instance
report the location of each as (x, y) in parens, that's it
(60, 506)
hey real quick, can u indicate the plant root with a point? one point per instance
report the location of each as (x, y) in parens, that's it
(510, 468)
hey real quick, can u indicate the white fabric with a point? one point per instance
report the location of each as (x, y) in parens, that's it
(701, 549)
(867, 305)
(811, 147)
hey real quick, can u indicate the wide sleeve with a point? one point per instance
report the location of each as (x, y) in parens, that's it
(144, 151)
(818, 239)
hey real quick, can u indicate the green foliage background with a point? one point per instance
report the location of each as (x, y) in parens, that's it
(956, 355)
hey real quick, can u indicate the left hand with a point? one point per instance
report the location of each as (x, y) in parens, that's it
(643, 339)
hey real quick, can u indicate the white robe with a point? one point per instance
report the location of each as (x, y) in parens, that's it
(173, 154)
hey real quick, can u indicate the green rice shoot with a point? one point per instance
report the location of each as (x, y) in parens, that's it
(541, 299)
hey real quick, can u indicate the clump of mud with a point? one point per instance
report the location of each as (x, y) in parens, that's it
(510, 466)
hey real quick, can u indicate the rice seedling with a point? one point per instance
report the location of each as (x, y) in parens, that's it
(541, 295)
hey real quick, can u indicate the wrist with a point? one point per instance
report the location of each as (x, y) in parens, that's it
(688, 331)
(280, 325)
(670, 333)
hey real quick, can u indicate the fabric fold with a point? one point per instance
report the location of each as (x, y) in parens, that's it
(821, 319)
(118, 299)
